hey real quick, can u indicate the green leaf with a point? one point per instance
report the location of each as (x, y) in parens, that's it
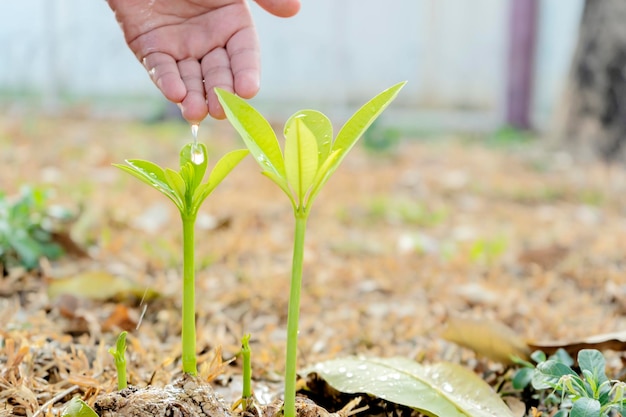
(198, 169)
(255, 131)
(321, 128)
(444, 389)
(585, 407)
(152, 175)
(363, 118)
(323, 174)
(176, 182)
(549, 373)
(282, 183)
(219, 172)
(522, 378)
(301, 157)
(78, 408)
(593, 361)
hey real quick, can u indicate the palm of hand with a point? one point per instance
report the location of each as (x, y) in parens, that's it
(191, 47)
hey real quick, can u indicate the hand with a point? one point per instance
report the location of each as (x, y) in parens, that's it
(189, 47)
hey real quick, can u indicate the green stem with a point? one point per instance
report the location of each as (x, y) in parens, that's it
(189, 298)
(289, 408)
(246, 393)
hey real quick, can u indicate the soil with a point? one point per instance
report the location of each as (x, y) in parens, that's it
(398, 243)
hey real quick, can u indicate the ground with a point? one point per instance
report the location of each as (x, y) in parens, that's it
(399, 242)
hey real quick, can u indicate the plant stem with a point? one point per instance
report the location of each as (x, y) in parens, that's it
(189, 298)
(289, 407)
(246, 393)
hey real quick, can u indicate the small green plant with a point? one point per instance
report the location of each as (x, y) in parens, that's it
(310, 158)
(119, 357)
(590, 394)
(187, 191)
(78, 408)
(246, 392)
(26, 228)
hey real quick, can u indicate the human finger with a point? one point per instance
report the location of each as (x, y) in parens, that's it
(164, 72)
(245, 62)
(194, 105)
(280, 8)
(217, 73)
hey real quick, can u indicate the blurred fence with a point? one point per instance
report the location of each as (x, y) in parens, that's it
(334, 54)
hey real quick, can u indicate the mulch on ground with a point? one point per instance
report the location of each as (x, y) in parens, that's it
(397, 243)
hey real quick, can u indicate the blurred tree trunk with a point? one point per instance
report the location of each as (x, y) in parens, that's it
(594, 121)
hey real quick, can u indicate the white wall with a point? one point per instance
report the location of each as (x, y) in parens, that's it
(334, 53)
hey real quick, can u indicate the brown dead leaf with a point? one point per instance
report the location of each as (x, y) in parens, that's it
(490, 339)
(607, 341)
(98, 285)
(120, 318)
(70, 247)
(545, 257)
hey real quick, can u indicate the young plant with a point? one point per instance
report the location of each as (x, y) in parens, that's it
(119, 357)
(187, 191)
(590, 394)
(246, 392)
(25, 228)
(310, 157)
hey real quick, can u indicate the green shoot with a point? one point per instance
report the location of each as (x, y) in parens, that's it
(78, 408)
(246, 393)
(590, 393)
(26, 234)
(310, 158)
(187, 191)
(119, 357)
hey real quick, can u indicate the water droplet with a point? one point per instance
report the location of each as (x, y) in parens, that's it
(194, 132)
(349, 374)
(447, 387)
(382, 378)
(342, 370)
(197, 157)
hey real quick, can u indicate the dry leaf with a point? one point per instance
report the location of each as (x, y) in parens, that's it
(120, 318)
(98, 285)
(490, 339)
(607, 341)
(546, 258)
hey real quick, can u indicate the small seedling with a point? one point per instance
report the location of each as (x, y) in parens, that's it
(310, 158)
(25, 228)
(246, 392)
(119, 357)
(187, 191)
(78, 408)
(590, 394)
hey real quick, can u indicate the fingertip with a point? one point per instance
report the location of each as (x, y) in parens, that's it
(192, 111)
(247, 84)
(280, 8)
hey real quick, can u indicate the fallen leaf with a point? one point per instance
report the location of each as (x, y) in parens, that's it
(98, 285)
(69, 245)
(490, 339)
(545, 257)
(606, 341)
(442, 389)
(120, 318)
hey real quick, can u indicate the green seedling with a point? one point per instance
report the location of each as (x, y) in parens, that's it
(187, 191)
(309, 159)
(247, 400)
(26, 233)
(78, 408)
(588, 394)
(119, 357)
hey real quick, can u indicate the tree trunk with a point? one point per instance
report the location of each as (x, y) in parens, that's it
(594, 121)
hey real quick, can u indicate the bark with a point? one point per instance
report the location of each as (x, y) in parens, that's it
(594, 122)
